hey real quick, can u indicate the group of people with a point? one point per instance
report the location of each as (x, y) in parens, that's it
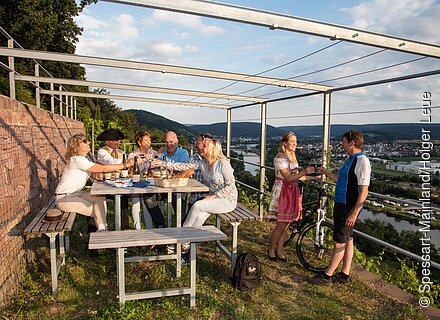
(214, 170)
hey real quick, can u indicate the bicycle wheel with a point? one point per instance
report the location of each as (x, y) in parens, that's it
(314, 249)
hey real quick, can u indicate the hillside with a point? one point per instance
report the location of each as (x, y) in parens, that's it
(151, 121)
(376, 132)
(239, 129)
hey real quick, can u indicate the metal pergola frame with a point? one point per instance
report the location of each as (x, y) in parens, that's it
(274, 21)
(270, 20)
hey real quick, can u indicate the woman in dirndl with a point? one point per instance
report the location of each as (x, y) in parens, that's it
(285, 201)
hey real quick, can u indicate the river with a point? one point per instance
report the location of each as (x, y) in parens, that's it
(400, 224)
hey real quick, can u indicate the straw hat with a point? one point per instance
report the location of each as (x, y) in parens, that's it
(53, 215)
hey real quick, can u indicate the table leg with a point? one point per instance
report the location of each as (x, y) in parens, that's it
(178, 225)
(179, 260)
(192, 295)
(117, 212)
(170, 207)
(179, 210)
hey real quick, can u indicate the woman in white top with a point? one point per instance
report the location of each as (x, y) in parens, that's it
(145, 156)
(69, 192)
(285, 202)
(218, 175)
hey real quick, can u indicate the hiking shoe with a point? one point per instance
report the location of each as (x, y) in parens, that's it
(320, 279)
(341, 278)
(185, 259)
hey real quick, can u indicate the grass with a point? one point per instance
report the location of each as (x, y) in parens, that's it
(88, 288)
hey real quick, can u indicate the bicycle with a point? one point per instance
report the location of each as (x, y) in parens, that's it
(314, 244)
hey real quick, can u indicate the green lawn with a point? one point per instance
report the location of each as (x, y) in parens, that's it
(88, 288)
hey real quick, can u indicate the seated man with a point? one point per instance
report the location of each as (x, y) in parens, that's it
(111, 154)
(174, 153)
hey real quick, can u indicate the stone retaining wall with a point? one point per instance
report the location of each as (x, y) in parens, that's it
(32, 147)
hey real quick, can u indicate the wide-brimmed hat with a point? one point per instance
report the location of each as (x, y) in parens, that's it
(110, 134)
(53, 215)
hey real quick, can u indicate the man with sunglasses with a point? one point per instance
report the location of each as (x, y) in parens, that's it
(352, 180)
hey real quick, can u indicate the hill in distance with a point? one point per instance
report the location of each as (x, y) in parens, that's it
(372, 132)
(151, 121)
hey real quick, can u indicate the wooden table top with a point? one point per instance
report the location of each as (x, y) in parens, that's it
(102, 188)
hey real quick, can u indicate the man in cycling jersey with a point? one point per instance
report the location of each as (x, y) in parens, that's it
(352, 180)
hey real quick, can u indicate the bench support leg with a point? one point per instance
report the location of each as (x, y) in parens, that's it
(67, 241)
(170, 207)
(120, 271)
(62, 251)
(218, 225)
(234, 248)
(53, 261)
(192, 295)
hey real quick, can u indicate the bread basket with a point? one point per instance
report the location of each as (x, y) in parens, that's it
(169, 183)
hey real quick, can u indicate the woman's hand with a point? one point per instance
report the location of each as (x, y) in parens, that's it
(210, 197)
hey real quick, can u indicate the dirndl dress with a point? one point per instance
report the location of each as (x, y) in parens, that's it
(285, 200)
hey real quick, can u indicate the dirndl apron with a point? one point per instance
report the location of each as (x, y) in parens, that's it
(290, 202)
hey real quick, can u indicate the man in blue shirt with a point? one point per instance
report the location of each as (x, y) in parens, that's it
(174, 153)
(351, 191)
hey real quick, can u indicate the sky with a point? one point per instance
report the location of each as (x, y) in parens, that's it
(157, 36)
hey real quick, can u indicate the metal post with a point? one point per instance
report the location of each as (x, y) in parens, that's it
(228, 133)
(74, 105)
(37, 86)
(93, 137)
(71, 107)
(11, 72)
(262, 157)
(326, 129)
(52, 99)
(61, 100)
(67, 106)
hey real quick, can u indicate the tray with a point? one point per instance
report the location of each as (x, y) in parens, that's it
(169, 183)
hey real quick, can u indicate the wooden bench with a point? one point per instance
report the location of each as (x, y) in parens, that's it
(52, 230)
(240, 214)
(123, 239)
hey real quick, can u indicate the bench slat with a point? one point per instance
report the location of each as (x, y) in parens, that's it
(240, 213)
(143, 237)
(36, 224)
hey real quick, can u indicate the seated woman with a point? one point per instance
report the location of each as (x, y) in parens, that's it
(145, 156)
(218, 175)
(69, 192)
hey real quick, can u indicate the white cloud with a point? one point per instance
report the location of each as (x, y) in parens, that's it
(90, 22)
(124, 27)
(169, 50)
(188, 21)
(192, 49)
(275, 59)
(405, 18)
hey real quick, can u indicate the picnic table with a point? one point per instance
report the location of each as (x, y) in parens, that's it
(100, 188)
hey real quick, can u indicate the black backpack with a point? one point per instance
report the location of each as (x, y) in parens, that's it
(247, 272)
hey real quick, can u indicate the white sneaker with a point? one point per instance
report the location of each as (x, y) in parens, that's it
(171, 249)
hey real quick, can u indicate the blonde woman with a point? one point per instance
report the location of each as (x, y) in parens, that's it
(69, 192)
(285, 202)
(218, 175)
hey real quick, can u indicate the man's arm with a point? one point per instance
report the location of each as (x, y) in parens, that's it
(354, 213)
(329, 174)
